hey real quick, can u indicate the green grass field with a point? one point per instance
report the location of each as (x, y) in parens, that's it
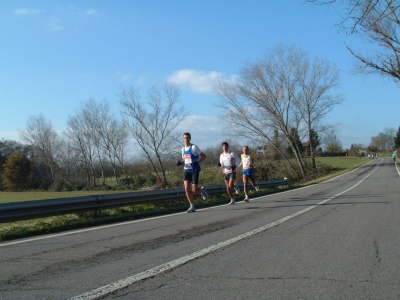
(211, 176)
(7, 197)
(342, 162)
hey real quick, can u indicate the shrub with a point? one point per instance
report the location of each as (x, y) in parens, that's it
(60, 187)
(17, 173)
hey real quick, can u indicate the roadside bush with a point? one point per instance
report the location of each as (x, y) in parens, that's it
(17, 173)
(97, 188)
(150, 179)
(134, 183)
(60, 187)
(128, 182)
(274, 170)
(140, 181)
(333, 154)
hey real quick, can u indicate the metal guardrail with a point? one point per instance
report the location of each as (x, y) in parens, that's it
(18, 211)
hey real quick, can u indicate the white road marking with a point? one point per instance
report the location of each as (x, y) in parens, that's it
(80, 231)
(398, 172)
(120, 284)
(132, 222)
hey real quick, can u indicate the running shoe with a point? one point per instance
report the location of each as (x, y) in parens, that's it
(191, 209)
(232, 202)
(257, 188)
(204, 193)
(246, 200)
(237, 189)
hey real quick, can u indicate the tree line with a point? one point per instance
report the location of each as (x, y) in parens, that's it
(281, 99)
(95, 145)
(277, 102)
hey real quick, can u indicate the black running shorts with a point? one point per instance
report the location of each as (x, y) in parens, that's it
(229, 176)
(193, 177)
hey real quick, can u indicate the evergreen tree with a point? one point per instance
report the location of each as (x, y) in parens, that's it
(17, 173)
(315, 141)
(397, 140)
(277, 145)
(295, 138)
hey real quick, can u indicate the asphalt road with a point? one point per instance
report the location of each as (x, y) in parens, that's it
(339, 239)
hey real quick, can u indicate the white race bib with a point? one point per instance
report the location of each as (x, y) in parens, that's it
(188, 160)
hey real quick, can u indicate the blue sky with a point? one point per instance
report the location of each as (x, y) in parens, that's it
(57, 54)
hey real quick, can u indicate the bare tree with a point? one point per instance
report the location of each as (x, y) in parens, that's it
(357, 150)
(112, 134)
(276, 95)
(152, 123)
(245, 115)
(377, 22)
(378, 141)
(384, 140)
(390, 134)
(82, 141)
(68, 160)
(99, 137)
(332, 143)
(316, 79)
(91, 114)
(45, 140)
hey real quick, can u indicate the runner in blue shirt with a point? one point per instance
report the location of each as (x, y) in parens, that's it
(191, 158)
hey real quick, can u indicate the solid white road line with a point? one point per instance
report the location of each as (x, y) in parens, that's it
(398, 172)
(131, 222)
(120, 284)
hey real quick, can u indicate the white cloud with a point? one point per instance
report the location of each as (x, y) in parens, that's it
(198, 81)
(10, 135)
(89, 12)
(122, 77)
(206, 131)
(141, 80)
(27, 11)
(55, 24)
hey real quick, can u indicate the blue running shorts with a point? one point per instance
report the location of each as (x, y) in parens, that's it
(248, 172)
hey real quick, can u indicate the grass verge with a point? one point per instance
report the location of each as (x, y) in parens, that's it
(40, 226)
(22, 229)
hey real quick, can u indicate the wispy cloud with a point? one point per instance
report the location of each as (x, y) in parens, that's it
(121, 76)
(90, 12)
(207, 136)
(10, 135)
(198, 81)
(27, 11)
(141, 80)
(203, 136)
(55, 24)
